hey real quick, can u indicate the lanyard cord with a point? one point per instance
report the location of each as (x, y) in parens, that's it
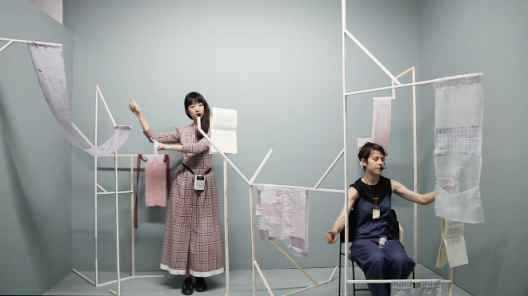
(375, 198)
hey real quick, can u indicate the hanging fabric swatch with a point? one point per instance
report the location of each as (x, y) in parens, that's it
(155, 181)
(155, 185)
(425, 288)
(458, 149)
(49, 66)
(381, 121)
(283, 215)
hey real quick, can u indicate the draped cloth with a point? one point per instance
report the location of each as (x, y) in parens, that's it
(49, 66)
(458, 148)
(283, 215)
(425, 288)
(381, 121)
(155, 181)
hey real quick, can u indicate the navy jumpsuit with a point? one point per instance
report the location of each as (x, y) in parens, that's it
(389, 261)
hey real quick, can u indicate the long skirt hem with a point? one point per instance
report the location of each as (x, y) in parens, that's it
(194, 273)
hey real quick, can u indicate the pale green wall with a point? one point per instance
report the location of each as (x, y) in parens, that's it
(278, 63)
(469, 36)
(35, 160)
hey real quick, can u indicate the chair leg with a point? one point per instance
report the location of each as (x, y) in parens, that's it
(353, 277)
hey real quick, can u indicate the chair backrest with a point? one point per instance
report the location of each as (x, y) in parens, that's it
(394, 233)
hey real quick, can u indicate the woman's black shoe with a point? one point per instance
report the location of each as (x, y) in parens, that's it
(187, 288)
(200, 284)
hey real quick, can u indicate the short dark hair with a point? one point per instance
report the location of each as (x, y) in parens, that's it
(366, 151)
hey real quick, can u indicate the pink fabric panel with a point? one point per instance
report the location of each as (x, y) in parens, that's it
(381, 122)
(155, 182)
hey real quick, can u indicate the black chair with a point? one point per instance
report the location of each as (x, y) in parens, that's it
(393, 234)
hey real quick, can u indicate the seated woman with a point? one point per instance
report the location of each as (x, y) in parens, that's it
(379, 257)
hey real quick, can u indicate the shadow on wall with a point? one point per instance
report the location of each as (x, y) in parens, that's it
(24, 212)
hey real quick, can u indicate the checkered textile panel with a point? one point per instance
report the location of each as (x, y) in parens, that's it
(458, 149)
(425, 288)
(283, 215)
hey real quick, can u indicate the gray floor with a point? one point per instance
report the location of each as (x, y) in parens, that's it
(282, 281)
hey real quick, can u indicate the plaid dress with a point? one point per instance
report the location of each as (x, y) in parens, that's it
(192, 226)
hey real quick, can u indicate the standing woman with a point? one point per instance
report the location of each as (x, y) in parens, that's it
(192, 243)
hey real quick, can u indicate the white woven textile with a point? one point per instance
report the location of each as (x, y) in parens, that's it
(425, 288)
(49, 66)
(458, 149)
(283, 215)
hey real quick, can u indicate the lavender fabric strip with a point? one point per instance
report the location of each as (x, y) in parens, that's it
(49, 66)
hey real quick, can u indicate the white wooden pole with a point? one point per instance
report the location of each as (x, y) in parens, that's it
(404, 72)
(371, 56)
(132, 232)
(257, 172)
(28, 41)
(95, 192)
(255, 264)
(106, 106)
(411, 84)
(415, 156)
(302, 188)
(220, 151)
(450, 281)
(117, 223)
(6, 45)
(253, 257)
(329, 168)
(82, 135)
(226, 229)
(345, 149)
(390, 281)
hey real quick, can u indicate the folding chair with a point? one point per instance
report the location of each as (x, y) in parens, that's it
(394, 234)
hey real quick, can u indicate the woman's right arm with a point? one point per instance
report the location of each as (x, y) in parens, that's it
(134, 107)
(167, 137)
(339, 224)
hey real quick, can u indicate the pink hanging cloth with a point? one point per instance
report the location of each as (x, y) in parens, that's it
(381, 121)
(155, 181)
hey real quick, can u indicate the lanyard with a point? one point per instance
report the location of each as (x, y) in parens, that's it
(375, 198)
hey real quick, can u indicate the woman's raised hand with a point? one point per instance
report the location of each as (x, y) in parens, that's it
(134, 106)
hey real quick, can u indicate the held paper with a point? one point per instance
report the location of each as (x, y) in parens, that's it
(453, 246)
(223, 130)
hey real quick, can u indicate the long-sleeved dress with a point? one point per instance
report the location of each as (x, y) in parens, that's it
(192, 226)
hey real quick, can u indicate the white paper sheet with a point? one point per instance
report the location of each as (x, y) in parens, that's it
(453, 246)
(223, 130)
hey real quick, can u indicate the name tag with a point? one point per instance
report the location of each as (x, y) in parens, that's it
(375, 214)
(199, 182)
